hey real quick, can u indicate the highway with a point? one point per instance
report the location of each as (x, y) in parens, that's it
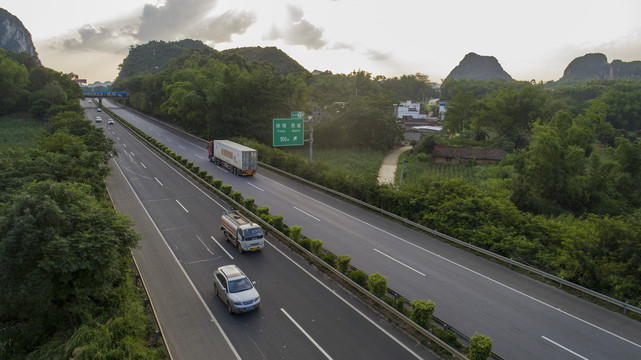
(526, 319)
(303, 315)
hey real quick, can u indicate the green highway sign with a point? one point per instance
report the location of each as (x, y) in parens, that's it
(289, 132)
(298, 114)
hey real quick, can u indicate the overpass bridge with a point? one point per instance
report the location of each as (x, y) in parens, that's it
(105, 94)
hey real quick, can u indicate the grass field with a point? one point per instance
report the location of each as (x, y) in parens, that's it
(18, 131)
(354, 160)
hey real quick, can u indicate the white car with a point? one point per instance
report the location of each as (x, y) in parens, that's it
(110, 122)
(235, 289)
(98, 119)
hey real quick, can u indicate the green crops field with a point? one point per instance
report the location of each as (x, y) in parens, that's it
(18, 131)
(353, 160)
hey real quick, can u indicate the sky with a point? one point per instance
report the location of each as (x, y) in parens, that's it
(532, 40)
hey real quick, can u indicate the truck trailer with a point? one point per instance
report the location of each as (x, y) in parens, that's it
(238, 159)
(240, 231)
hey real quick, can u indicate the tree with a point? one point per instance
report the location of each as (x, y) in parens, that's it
(59, 255)
(461, 110)
(480, 347)
(511, 111)
(14, 79)
(377, 284)
(421, 312)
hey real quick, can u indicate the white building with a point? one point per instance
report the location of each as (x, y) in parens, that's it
(408, 111)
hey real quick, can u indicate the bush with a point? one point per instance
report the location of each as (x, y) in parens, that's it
(190, 164)
(249, 204)
(226, 189)
(343, 263)
(262, 210)
(449, 337)
(359, 277)
(178, 158)
(217, 183)
(480, 347)
(202, 174)
(330, 259)
(400, 304)
(295, 232)
(316, 246)
(377, 284)
(237, 196)
(278, 222)
(422, 312)
(209, 178)
(306, 243)
(183, 161)
(195, 169)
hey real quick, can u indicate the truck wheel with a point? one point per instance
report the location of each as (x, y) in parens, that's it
(240, 248)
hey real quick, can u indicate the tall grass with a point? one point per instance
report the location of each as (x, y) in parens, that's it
(351, 160)
(19, 131)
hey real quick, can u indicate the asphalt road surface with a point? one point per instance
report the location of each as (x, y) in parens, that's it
(303, 315)
(525, 319)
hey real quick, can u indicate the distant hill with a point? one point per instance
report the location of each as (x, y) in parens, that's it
(596, 66)
(283, 64)
(14, 36)
(477, 67)
(156, 56)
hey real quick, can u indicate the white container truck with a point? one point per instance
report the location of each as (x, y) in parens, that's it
(239, 159)
(246, 235)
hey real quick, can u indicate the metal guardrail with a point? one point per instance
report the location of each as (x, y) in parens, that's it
(138, 275)
(562, 282)
(337, 275)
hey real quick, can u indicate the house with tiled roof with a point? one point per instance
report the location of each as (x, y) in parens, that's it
(451, 154)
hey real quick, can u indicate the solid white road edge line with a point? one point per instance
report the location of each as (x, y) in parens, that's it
(306, 334)
(463, 267)
(211, 315)
(346, 302)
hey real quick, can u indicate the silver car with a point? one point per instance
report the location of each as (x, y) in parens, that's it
(235, 289)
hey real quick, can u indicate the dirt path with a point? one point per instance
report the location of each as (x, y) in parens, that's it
(387, 172)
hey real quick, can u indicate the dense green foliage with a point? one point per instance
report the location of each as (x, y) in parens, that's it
(572, 170)
(480, 347)
(222, 95)
(65, 263)
(281, 62)
(27, 86)
(18, 131)
(156, 56)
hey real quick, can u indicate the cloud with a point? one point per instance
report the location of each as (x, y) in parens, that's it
(99, 39)
(378, 55)
(173, 20)
(298, 31)
(221, 28)
(343, 46)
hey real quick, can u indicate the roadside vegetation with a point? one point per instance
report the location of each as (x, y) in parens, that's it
(565, 199)
(66, 272)
(19, 131)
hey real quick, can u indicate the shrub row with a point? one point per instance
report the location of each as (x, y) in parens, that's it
(421, 311)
